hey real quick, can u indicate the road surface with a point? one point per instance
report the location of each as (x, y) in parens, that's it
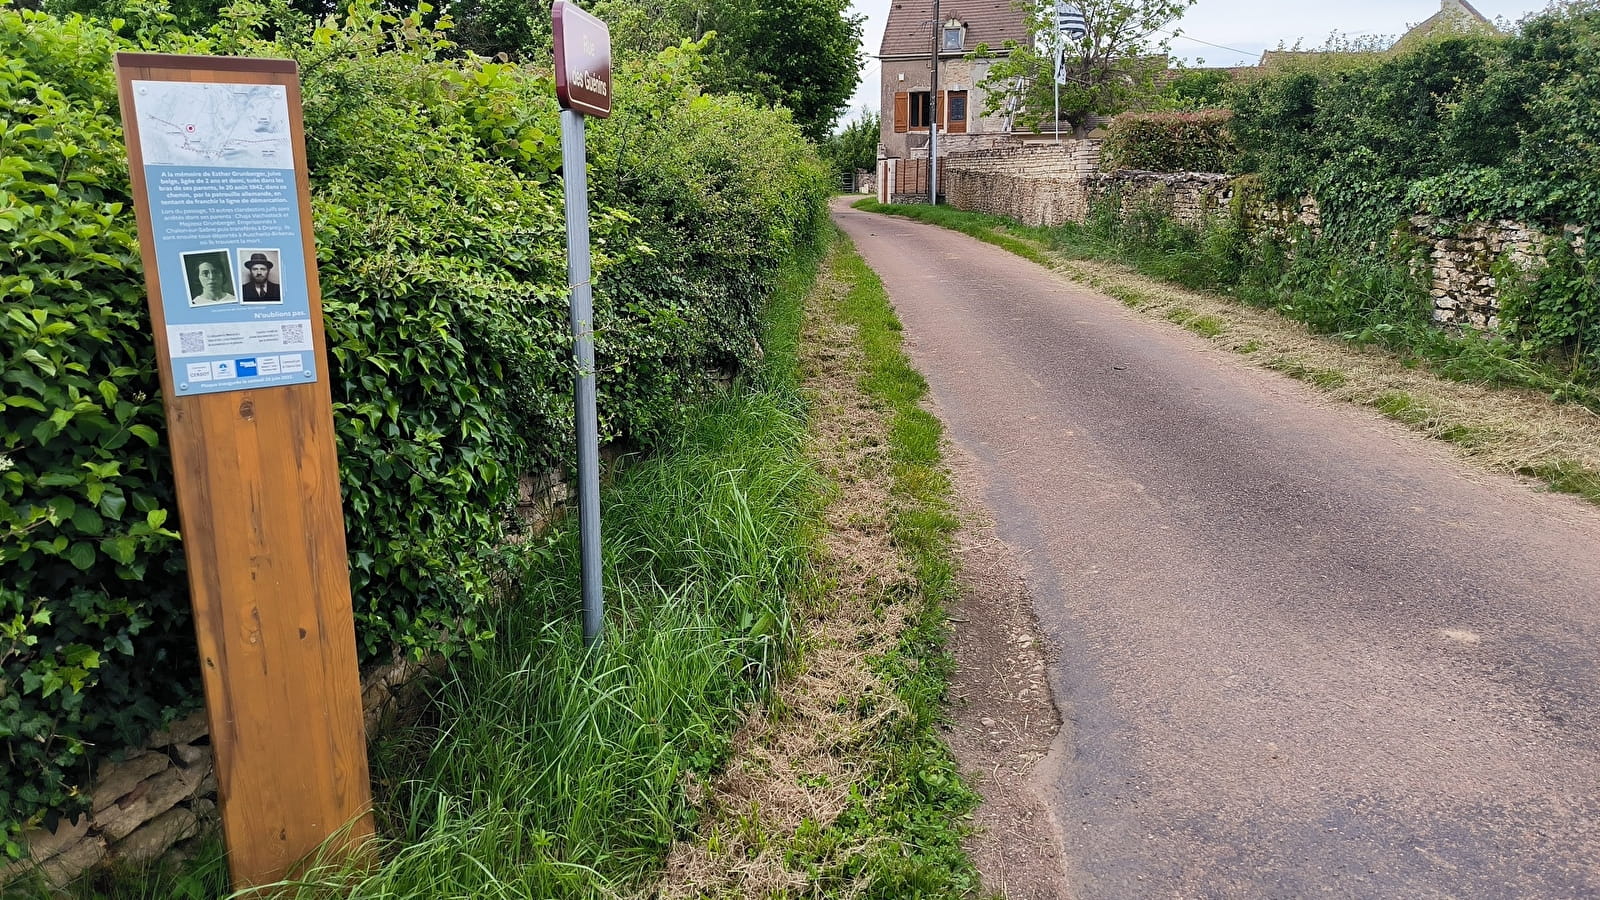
(1302, 652)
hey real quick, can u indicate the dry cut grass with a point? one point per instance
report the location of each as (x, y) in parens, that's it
(1509, 431)
(794, 763)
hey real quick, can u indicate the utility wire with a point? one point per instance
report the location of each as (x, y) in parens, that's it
(1185, 37)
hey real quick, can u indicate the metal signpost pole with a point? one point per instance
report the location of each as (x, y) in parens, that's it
(574, 168)
(583, 86)
(1070, 24)
(1060, 52)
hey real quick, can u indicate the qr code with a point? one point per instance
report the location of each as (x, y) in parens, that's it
(191, 342)
(294, 334)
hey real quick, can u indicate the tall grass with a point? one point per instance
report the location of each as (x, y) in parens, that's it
(545, 770)
(549, 770)
(555, 771)
(1356, 293)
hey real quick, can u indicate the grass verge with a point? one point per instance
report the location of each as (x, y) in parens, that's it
(918, 796)
(1524, 430)
(761, 716)
(842, 788)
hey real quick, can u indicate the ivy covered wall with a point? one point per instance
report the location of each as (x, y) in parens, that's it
(1482, 136)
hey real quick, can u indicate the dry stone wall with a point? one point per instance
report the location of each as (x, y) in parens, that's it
(1045, 184)
(1464, 262)
(1054, 184)
(1190, 198)
(150, 800)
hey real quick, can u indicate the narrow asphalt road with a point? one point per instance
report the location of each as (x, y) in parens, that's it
(1302, 652)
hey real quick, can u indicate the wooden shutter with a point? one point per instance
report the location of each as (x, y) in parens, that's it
(902, 111)
(938, 109)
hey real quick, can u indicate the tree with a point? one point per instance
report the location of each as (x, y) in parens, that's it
(801, 54)
(520, 29)
(1112, 68)
(855, 146)
(1195, 89)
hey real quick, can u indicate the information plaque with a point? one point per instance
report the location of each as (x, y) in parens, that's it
(219, 169)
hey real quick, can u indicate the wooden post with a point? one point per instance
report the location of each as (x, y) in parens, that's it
(253, 453)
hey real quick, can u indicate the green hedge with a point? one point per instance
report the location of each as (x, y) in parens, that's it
(1468, 129)
(1474, 127)
(1171, 141)
(437, 205)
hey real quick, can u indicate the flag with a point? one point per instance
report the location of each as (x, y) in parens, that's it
(1069, 21)
(1070, 28)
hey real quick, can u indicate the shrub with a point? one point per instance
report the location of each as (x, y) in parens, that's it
(1557, 313)
(436, 201)
(1171, 142)
(91, 587)
(1466, 129)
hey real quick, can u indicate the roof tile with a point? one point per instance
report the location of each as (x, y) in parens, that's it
(909, 30)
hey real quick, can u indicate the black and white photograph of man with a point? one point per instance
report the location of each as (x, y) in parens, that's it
(260, 284)
(210, 278)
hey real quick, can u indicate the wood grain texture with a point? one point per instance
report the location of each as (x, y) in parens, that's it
(257, 480)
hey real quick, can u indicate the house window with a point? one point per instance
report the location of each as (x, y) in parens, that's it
(952, 37)
(957, 103)
(921, 109)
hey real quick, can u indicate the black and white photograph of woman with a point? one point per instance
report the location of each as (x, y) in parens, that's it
(210, 278)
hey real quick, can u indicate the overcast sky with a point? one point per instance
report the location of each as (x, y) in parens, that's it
(1243, 27)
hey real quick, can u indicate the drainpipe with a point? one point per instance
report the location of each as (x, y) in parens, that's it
(933, 117)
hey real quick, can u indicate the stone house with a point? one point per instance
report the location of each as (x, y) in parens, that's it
(1455, 17)
(907, 54)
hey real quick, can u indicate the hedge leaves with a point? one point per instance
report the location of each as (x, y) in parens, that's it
(437, 205)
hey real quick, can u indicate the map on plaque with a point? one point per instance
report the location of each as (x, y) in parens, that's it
(220, 171)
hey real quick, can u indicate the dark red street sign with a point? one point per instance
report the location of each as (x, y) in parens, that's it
(583, 60)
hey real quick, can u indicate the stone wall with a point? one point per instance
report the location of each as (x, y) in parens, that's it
(151, 800)
(1045, 184)
(1190, 198)
(1195, 198)
(1052, 184)
(1462, 261)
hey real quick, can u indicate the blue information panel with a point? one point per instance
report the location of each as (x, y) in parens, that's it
(224, 210)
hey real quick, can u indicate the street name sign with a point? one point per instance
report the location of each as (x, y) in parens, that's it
(583, 60)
